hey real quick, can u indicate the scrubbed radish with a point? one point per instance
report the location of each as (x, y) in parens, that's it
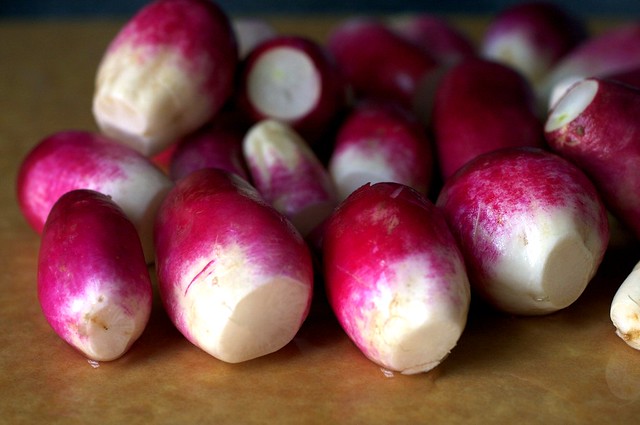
(288, 174)
(482, 105)
(93, 284)
(380, 142)
(70, 160)
(395, 277)
(596, 126)
(167, 72)
(532, 37)
(294, 80)
(234, 275)
(531, 226)
(625, 309)
(250, 32)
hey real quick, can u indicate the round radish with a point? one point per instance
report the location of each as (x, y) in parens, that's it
(531, 226)
(625, 309)
(93, 284)
(395, 277)
(234, 275)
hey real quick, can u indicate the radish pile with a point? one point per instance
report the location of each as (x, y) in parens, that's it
(401, 165)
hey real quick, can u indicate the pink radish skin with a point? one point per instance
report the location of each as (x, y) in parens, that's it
(595, 125)
(381, 142)
(395, 277)
(168, 71)
(93, 284)
(250, 32)
(481, 106)
(531, 226)
(292, 79)
(234, 275)
(70, 160)
(288, 174)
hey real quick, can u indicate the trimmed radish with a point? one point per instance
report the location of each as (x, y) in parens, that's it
(250, 32)
(531, 226)
(625, 309)
(395, 277)
(168, 71)
(288, 174)
(70, 160)
(234, 275)
(93, 284)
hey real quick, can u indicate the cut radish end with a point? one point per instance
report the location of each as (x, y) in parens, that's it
(571, 104)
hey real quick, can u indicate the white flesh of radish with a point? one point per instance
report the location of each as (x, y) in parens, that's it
(625, 309)
(517, 51)
(250, 32)
(571, 104)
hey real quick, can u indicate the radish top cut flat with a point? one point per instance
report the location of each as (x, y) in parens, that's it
(572, 104)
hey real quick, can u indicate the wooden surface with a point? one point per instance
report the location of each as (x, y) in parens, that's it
(567, 367)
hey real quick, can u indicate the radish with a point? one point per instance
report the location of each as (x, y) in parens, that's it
(480, 106)
(294, 80)
(625, 309)
(69, 160)
(395, 278)
(250, 32)
(595, 125)
(234, 275)
(288, 174)
(93, 284)
(531, 226)
(168, 71)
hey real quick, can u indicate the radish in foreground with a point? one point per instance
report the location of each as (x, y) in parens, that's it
(395, 277)
(234, 275)
(625, 309)
(531, 226)
(168, 71)
(93, 284)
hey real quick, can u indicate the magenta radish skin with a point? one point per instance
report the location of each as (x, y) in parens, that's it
(169, 70)
(93, 284)
(480, 106)
(70, 160)
(595, 125)
(395, 277)
(289, 175)
(234, 275)
(531, 226)
(250, 32)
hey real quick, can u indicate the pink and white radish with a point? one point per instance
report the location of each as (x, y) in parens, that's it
(480, 106)
(234, 275)
(625, 309)
(167, 72)
(531, 226)
(292, 79)
(395, 278)
(250, 32)
(69, 160)
(288, 174)
(380, 141)
(93, 284)
(595, 125)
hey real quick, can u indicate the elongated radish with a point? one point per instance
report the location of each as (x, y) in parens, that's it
(481, 106)
(167, 72)
(625, 309)
(595, 125)
(70, 160)
(93, 284)
(381, 141)
(250, 32)
(531, 226)
(234, 275)
(288, 174)
(395, 277)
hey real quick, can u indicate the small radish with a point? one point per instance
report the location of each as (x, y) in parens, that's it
(288, 174)
(381, 141)
(480, 106)
(234, 275)
(168, 71)
(595, 125)
(625, 309)
(395, 278)
(531, 226)
(69, 160)
(93, 284)
(250, 32)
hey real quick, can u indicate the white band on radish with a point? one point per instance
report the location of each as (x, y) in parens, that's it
(571, 104)
(625, 309)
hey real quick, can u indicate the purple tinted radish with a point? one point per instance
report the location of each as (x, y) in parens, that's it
(93, 284)
(395, 277)
(234, 275)
(250, 32)
(167, 72)
(531, 226)
(625, 309)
